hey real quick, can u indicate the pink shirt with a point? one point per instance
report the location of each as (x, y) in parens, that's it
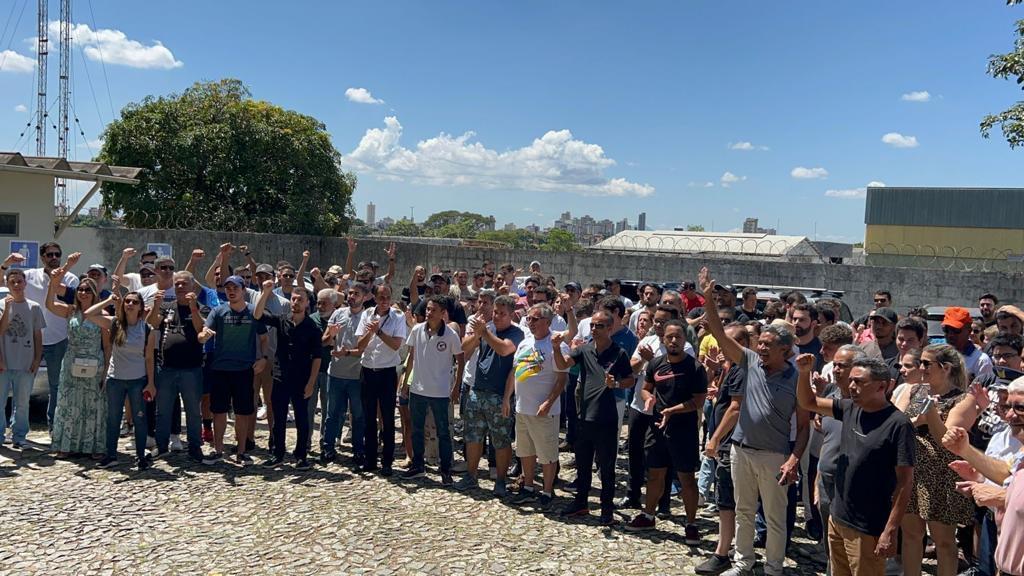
(1010, 550)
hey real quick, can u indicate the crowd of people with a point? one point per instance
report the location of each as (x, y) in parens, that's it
(895, 444)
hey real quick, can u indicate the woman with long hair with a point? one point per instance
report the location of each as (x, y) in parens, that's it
(80, 417)
(935, 506)
(130, 372)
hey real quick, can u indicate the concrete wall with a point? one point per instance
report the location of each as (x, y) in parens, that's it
(910, 287)
(31, 197)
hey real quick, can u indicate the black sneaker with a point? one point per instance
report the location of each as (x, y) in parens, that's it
(196, 456)
(366, 467)
(760, 540)
(386, 471)
(250, 445)
(545, 500)
(328, 457)
(692, 535)
(107, 462)
(607, 519)
(414, 472)
(273, 462)
(573, 510)
(526, 495)
(664, 512)
(714, 565)
(142, 463)
(213, 458)
(303, 464)
(446, 479)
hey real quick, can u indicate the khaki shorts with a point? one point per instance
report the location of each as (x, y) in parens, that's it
(537, 436)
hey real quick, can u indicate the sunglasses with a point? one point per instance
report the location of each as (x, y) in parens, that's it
(84, 291)
(598, 325)
(132, 302)
(166, 267)
(52, 255)
(288, 276)
(926, 364)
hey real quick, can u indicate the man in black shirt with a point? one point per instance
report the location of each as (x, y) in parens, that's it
(180, 360)
(875, 468)
(675, 386)
(298, 355)
(604, 367)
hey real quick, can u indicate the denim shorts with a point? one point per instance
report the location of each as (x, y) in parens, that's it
(483, 415)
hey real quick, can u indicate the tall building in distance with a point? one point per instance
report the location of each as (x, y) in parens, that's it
(641, 221)
(750, 227)
(371, 214)
(587, 230)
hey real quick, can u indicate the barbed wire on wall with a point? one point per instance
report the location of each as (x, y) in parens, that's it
(774, 247)
(963, 258)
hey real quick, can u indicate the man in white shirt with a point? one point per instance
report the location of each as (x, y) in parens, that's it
(432, 348)
(55, 334)
(381, 332)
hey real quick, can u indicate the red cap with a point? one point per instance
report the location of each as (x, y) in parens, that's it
(956, 317)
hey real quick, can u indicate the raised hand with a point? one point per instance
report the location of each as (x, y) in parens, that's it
(226, 248)
(190, 299)
(352, 244)
(314, 273)
(706, 283)
(198, 254)
(980, 395)
(73, 259)
(305, 255)
(805, 362)
(128, 253)
(955, 440)
(390, 251)
(268, 285)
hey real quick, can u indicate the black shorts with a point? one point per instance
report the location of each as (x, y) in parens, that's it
(723, 483)
(207, 373)
(232, 388)
(676, 448)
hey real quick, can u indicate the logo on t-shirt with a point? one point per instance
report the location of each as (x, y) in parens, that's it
(664, 373)
(529, 363)
(442, 345)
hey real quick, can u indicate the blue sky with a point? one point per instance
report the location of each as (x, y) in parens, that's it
(694, 112)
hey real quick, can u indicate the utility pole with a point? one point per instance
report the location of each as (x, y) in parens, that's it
(42, 50)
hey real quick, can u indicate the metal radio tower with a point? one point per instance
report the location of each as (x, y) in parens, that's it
(65, 98)
(42, 50)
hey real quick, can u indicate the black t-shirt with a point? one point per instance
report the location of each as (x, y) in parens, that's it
(731, 387)
(675, 383)
(813, 347)
(595, 400)
(325, 350)
(297, 345)
(178, 346)
(456, 313)
(757, 314)
(421, 289)
(491, 369)
(873, 444)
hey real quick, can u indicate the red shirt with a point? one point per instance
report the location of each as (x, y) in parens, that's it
(691, 302)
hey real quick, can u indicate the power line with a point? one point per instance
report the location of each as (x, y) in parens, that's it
(103, 64)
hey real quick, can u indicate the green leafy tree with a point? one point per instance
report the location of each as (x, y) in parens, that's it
(516, 239)
(404, 227)
(455, 224)
(1005, 66)
(215, 158)
(560, 241)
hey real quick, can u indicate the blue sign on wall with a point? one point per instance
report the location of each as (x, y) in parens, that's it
(27, 248)
(162, 250)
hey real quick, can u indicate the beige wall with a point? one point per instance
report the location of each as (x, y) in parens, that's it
(31, 196)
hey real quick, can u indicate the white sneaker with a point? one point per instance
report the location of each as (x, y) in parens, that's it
(291, 417)
(347, 438)
(175, 444)
(150, 442)
(261, 414)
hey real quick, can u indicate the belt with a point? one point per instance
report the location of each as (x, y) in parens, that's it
(746, 446)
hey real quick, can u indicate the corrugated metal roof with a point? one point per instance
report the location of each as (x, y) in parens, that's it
(59, 167)
(677, 241)
(950, 207)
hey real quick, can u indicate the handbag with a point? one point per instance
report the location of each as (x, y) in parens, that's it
(85, 367)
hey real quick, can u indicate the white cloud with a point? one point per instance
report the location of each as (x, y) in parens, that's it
(746, 146)
(693, 184)
(729, 179)
(114, 47)
(897, 140)
(11, 61)
(555, 162)
(361, 96)
(801, 173)
(853, 193)
(94, 145)
(21, 108)
(917, 96)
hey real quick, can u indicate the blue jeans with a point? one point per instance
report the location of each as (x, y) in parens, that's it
(170, 382)
(18, 383)
(116, 392)
(439, 406)
(706, 477)
(53, 355)
(319, 393)
(343, 394)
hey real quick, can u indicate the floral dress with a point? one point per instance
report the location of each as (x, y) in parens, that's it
(935, 497)
(80, 420)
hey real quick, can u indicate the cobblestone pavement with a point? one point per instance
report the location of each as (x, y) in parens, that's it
(69, 517)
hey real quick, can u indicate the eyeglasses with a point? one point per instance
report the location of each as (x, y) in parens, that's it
(247, 277)
(1018, 408)
(52, 255)
(166, 267)
(660, 322)
(1005, 356)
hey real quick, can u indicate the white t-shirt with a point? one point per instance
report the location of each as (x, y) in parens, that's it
(469, 374)
(148, 293)
(535, 374)
(654, 342)
(978, 363)
(133, 280)
(432, 360)
(378, 354)
(37, 282)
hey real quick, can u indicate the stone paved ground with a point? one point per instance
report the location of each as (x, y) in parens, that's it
(69, 517)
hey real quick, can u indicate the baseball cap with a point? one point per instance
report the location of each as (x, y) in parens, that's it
(236, 280)
(956, 317)
(573, 286)
(535, 263)
(99, 267)
(438, 276)
(727, 288)
(148, 266)
(887, 314)
(336, 270)
(265, 269)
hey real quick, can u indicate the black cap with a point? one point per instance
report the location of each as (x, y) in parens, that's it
(573, 286)
(886, 314)
(727, 288)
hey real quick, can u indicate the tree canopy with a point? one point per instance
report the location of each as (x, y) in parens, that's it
(1006, 66)
(214, 158)
(455, 224)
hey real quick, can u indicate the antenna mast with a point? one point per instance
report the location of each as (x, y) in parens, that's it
(65, 99)
(42, 50)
